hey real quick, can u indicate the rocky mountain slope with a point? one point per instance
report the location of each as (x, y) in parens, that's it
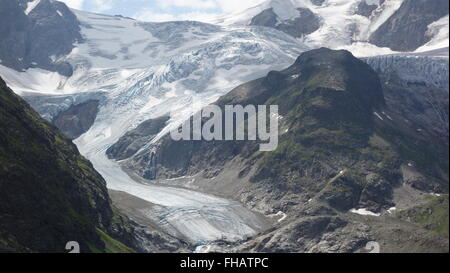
(37, 34)
(342, 148)
(78, 119)
(306, 23)
(50, 193)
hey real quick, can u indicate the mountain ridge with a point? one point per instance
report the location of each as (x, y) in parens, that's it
(339, 151)
(356, 25)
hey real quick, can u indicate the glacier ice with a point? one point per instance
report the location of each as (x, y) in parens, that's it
(165, 68)
(414, 68)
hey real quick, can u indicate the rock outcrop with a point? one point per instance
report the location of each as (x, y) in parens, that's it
(37, 38)
(406, 29)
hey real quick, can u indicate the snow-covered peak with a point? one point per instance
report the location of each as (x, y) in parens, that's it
(147, 70)
(341, 25)
(243, 17)
(114, 48)
(440, 37)
(344, 24)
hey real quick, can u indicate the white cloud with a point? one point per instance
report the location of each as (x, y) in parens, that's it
(224, 5)
(237, 5)
(75, 4)
(191, 4)
(96, 5)
(102, 5)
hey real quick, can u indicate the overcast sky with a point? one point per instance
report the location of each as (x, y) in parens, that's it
(163, 10)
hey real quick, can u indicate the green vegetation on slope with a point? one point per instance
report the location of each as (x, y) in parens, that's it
(433, 215)
(111, 245)
(49, 193)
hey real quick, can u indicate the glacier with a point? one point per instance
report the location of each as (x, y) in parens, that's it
(430, 68)
(341, 27)
(140, 71)
(188, 215)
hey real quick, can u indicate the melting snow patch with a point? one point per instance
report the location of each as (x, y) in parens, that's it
(364, 212)
(283, 216)
(280, 214)
(378, 115)
(392, 210)
(31, 5)
(389, 117)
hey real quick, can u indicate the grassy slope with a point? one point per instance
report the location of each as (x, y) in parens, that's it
(433, 215)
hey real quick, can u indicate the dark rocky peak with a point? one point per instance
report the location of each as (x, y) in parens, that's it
(332, 76)
(50, 193)
(13, 31)
(37, 37)
(267, 18)
(306, 23)
(78, 119)
(341, 71)
(366, 9)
